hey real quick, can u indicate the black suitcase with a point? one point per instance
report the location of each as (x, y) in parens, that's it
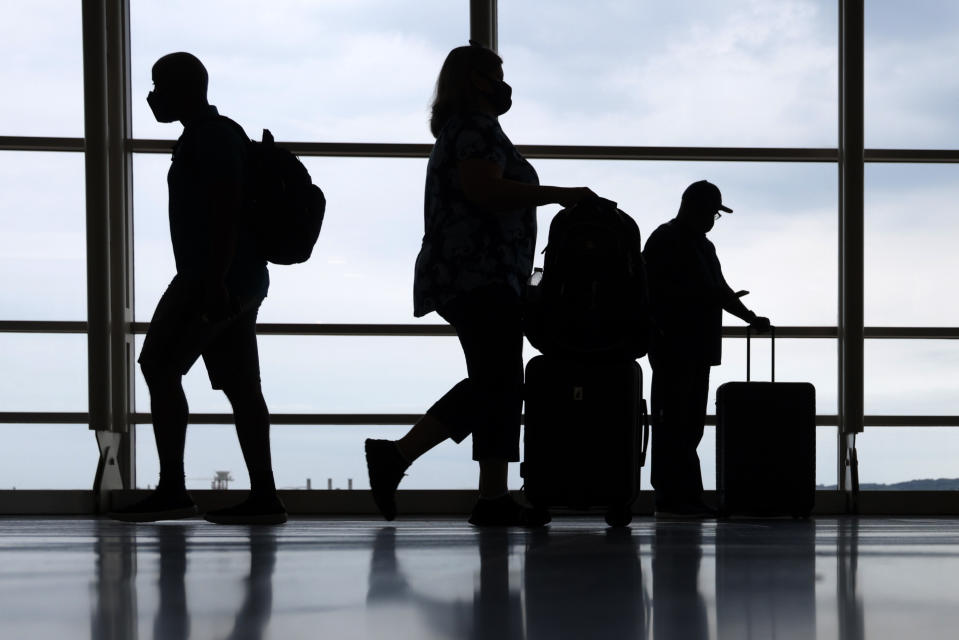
(586, 435)
(766, 446)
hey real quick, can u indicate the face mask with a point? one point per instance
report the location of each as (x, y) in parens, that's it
(158, 108)
(500, 96)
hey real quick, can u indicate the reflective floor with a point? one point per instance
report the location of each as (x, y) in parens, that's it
(335, 578)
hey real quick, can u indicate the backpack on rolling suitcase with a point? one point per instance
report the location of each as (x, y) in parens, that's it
(586, 435)
(590, 301)
(766, 445)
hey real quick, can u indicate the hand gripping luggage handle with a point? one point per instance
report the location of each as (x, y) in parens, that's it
(772, 350)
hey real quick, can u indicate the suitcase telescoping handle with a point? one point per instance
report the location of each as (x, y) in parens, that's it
(772, 350)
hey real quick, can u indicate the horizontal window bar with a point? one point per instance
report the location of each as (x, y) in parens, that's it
(376, 419)
(569, 152)
(42, 326)
(309, 329)
(304, 329)
(913, 333)
(33, 143)
(565, 152)
(912, 155)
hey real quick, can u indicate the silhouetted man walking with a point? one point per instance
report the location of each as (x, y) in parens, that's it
(688, 295)
(210, 307)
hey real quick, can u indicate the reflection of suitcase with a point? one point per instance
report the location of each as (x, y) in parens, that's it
(766, 446)
(586, 435)
(766, 582)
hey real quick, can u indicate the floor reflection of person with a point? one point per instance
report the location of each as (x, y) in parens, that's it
(257, 607)
(172, 621)
(679, 609)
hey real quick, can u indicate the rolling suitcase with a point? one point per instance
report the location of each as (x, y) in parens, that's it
(586, 435)
(766, 445)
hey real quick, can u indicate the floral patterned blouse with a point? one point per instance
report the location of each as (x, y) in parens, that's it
(466, 247)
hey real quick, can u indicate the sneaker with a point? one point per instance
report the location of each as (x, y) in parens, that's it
(685, 510)
(386, 465)
(506, 512)
(253, 510)
(157, 506)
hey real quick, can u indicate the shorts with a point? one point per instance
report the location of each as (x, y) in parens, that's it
(179, 334)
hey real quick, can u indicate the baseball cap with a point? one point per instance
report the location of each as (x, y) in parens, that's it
(705, 194)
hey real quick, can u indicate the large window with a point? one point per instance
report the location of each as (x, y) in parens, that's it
(42, 74)
(320, 71)
(698, 73)
(639, 98)
(42, 249)
(910, 244)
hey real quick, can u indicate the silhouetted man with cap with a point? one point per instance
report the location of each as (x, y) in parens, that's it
(688, 295)
(210, 306)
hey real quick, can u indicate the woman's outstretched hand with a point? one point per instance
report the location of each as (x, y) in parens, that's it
(569, 196)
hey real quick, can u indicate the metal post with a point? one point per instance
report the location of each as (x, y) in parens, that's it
(109, 230)
(121, 235)
(851, 242)
(483, 23)
(96, 164)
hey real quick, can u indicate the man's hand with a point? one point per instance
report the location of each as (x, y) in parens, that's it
(759, 324)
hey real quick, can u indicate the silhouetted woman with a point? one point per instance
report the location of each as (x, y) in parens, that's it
(477, 253)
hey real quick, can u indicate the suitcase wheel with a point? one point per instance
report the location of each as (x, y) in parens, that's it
(619, 516)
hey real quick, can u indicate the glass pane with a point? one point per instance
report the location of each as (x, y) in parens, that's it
(910, 249)
(42, 236)
(43, 372)
(47, 456)
(910, 82)
(780, 244)
(42, 49)
(699, 73)
(911, 377)
(348, 71)
(336, 374)
(362, 267)
(318, 453)
(909, 458)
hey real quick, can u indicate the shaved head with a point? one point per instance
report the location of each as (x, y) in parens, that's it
(179, 87)
(181, 72)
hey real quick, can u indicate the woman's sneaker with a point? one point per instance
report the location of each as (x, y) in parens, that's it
(386, 466)
(506, 512)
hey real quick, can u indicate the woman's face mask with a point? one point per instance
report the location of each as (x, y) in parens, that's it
(500, 95)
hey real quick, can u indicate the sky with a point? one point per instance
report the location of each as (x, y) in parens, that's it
(697, 73)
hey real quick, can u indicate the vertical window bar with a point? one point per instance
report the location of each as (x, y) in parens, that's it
(122, 352)
(483, 23)
(851, 239)
(97, 221)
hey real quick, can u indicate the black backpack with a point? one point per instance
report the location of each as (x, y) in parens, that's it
(286, 209)
(591, 299)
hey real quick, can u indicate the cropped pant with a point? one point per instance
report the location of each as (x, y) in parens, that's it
(488, 402)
